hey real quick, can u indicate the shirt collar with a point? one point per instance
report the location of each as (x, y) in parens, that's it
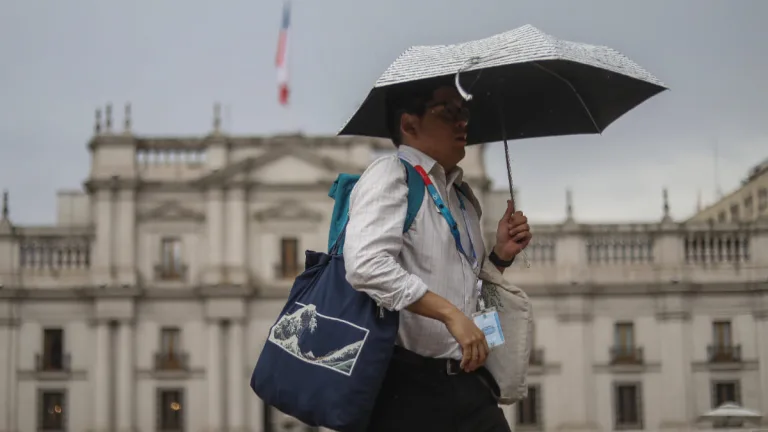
(417, 157)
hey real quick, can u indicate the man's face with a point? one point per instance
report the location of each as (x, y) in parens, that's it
(443, 128)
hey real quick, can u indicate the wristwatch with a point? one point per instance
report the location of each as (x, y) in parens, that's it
(498, 262)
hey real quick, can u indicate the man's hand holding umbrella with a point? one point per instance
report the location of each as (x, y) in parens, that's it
(513, 234)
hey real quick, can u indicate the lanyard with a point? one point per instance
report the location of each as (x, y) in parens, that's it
(449, 217)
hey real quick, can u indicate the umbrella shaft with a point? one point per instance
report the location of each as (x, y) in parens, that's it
(512, 192)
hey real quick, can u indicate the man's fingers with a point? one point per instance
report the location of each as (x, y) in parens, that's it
(472, 358)
(518, 219)
(466, 351)
(509, 211)
(483, 354)
(522, 237)
(519, 229)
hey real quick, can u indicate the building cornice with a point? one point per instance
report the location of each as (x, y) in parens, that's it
(244, 167)
(110, 139)
(266, 290)
(644, 289)
(241, 141)
(288, 211)
(171, 211)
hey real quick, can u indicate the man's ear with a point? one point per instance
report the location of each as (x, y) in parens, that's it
(408, 125)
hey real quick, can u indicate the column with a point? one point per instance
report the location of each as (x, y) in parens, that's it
(236, 235)
(8, 376)
(100, 379)
(126, 237)
(102, 252)
(215, 226)
(213, 373)
(675, 365)
(125, 379)
(577, 389)
(761, 322)
(237, 383)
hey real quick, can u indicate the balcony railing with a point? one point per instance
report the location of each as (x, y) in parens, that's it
(171, 361)
(626, 355)
(60, 253)
(716, 248)
(165, 272)
(537, 357)
(287, 272)
(724, 353)
(52, 362)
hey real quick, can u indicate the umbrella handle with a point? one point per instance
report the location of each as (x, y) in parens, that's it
(469, 63)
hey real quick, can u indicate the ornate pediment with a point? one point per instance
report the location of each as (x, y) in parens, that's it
(289, 211)
(289, 164)
(172, 211)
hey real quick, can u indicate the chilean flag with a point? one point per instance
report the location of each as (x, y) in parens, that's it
(282, 55)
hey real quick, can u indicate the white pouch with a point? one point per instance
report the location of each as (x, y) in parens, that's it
(508, 363)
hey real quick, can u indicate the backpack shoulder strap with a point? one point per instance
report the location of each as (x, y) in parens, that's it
(415, 193)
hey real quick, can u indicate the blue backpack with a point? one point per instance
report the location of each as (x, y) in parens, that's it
(326, 355)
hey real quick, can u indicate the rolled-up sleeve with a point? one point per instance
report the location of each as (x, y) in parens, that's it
(374, 238)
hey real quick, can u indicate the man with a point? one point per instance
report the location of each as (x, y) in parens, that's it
(436, 380)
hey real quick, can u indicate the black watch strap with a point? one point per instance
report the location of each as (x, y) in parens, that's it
(498, 262)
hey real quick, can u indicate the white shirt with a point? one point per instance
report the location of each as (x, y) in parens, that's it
(395, 268)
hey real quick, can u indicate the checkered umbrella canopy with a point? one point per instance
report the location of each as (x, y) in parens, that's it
(523, 83)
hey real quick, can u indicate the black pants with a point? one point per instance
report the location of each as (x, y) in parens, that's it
(424, 395)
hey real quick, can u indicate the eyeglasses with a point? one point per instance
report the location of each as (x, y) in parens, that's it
(450, 112)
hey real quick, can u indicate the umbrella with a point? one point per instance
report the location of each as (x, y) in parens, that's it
(546, 86)
(524, 83)
(728, 411)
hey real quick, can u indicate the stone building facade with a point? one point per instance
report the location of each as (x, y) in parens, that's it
(145, 306)
(747, 203)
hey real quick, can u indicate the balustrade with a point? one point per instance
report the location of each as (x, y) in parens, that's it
(54, 253)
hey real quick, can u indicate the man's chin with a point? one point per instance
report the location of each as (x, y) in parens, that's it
(461, 152)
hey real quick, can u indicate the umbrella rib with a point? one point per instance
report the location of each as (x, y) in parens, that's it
(583, 104)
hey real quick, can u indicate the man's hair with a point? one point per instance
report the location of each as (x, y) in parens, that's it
(410, 98)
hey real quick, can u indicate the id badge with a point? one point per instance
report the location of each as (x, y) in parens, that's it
(488, 321)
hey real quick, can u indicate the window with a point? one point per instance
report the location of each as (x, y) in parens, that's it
(748, 207)
(628, 406)
(723, 348)
(52, 406)
(289, 264)
(721, 334)
(170, 410)
(762, 199)
(624, 336)
(536, 357)
(725, 391)
(735, 212)
(624, 350)
(721, 217)
(170, 344)
(171, 266)
(53, 350)
(528, 409)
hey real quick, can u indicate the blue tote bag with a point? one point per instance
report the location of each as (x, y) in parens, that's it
(326, 355)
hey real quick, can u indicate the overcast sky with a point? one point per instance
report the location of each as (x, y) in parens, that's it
(173, 59)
